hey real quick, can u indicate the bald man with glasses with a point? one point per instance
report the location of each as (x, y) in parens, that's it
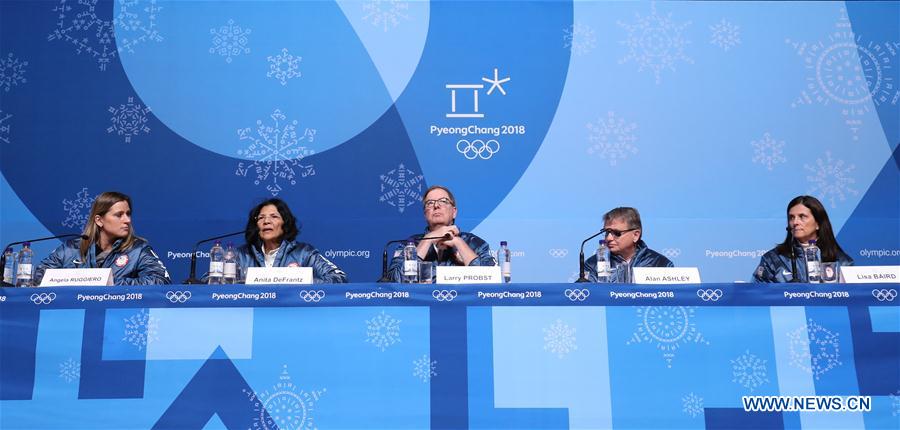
(626, 247)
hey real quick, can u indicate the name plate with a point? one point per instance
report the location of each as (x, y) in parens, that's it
(77, 277)
(666, 275)
(870, 274)
(469, 275)
(279, 275)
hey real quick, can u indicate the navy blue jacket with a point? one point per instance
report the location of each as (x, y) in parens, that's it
(774, 267)
(136, 266)
(643, 257)
(294, 254)
(481, 248)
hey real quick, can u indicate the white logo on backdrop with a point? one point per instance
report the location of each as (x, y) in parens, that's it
(275, 152)
(230, 40)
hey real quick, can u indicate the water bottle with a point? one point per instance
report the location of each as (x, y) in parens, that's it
(216, 264)
(230, 265)
(603, 269)
(9, 266)
(410, 263)
(504, 258)
(813, 262)
(23, 265)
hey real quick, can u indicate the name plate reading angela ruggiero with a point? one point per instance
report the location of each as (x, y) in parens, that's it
(468, 275)
(870, 274)
(279, 275)
(77, 277)
(666, 275)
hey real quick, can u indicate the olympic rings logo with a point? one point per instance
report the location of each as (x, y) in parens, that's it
(672, 252)
(710, 294)
(178, 296)
(43, 298)
(558, 252)
(577, 295)
(885, 295)
(478, 148)
(444, 295)
(312, 295)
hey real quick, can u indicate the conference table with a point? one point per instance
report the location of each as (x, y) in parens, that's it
(396, 356)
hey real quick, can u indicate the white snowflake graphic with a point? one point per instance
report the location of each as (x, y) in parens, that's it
(692, 405)
(385, 13)
(668, 328)
(768, 151)
(579, 38)
(230, 40)
(383, 331)
(77, 209)
(749, 371)
(79, 25)
(655, 42)
(847, 71)
(401, 188)
(831, 179)
(424, 368)
(275, 152)
(129, 119)
(612, 138)
(895, 404)
(12, 71)
(814, 349)
(284, 66)
(285, 406)
(136, 24)
(4, 126)
(141, 329)
(70, 370)
(559, 339)
(725, 35)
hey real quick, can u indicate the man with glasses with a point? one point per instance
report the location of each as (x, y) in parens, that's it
(626, 247)
(453, 248)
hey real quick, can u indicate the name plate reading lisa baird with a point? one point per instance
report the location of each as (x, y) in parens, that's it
(77, 277)
(870, 274)
(279, 275)
(666, 275)
(468, 275)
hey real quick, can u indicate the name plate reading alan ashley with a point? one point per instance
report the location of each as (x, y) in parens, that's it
(469, 275)
(77, 277)
(870, 274)
(666, 275)
(279, 275)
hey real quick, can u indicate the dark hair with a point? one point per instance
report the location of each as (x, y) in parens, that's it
(825, 237)
(629, 216)
(251, 234)
(102, 204)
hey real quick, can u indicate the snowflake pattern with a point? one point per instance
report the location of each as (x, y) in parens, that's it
(141, 329)
(847, 71)
(284, 66)
(285, 405)
(612, 138)
(655, 42)
(12, 71)
(768, 151)
(383, 331)
(78, 24)
(70, 370)
(725, 35)
(559, 339)
(276, 153)
(4, 126)
(401, 188)
(129, 119)
(895, 404)
(77, 209)
(749, 371)
(385, 13)
(579, 38)
(814, 349)
(831, 179)
(425, 368)
(692, 405)
(136, 24)
(668, 328)
(230, 40)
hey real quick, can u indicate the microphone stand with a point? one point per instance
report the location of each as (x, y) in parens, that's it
(581, 276)
(793, 257)
(3, 256)
(192, 277)
(384, 261)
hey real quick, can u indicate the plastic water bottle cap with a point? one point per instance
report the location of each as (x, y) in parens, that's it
(602, 241)
(26, 244)
(812, 242)
(503, 243)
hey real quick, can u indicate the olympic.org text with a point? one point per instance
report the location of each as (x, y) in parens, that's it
(344, 253)
(244, 296)
(109, 297)
(642, 295)
(807, 403)
(808, 295)
(509, 295)
(879, 253)
(733, 253)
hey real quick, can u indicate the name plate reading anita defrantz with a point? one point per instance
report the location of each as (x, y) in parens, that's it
(279, 275)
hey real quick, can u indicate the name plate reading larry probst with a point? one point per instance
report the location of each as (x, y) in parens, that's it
(666, 275)
(469, 275)
(870, 274)
(279, 275)
(77, 277)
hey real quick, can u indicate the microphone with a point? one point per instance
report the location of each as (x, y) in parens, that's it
(62, 236)
(192, 277)
(581, 277)
(793, 257)
(384, 263)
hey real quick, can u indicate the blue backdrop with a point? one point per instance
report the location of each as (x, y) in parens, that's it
(540, 116)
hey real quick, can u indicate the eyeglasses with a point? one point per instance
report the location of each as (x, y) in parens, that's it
(430, 204)
(271, 217)
(617, 233)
